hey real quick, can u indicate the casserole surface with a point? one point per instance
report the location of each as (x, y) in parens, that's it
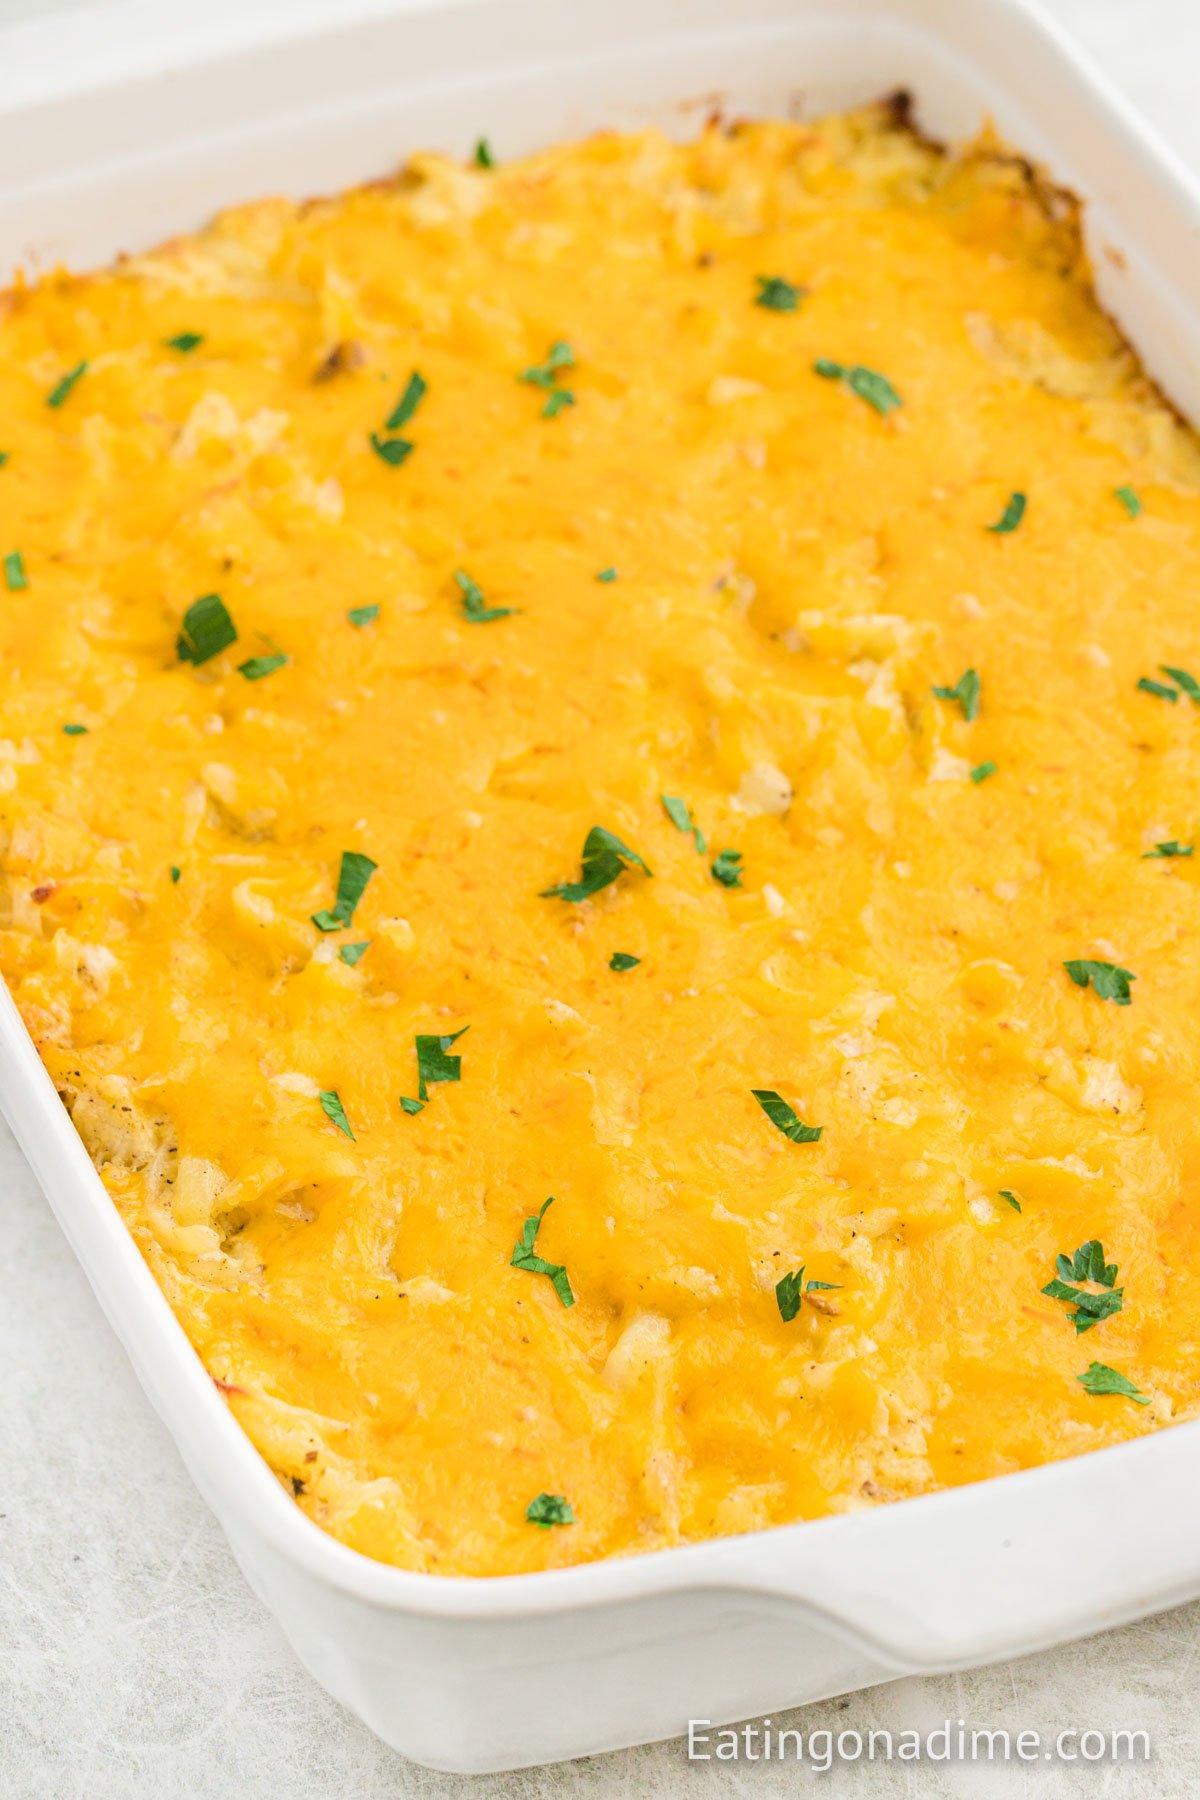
(798, 557)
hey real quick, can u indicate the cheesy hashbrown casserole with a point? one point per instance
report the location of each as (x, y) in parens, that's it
(598, 796)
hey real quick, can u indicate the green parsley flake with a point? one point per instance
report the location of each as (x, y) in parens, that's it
(784, 1118)
(186, 340)
(1008, 1195)
(776, 294)
(789, 1292)
(408, 402)
(354, 873)
(1188, 683)
(545, 374)
(15, 577)
(1130, 500)
(4, 456)
(725, 868)
(791, 1289)
(411, 1106)
(433, 1064)
(74, 730)
(363, 615)
(966, 691)
(207, 630)
(1109, 982)
(620, 960)
(606, 575)
(1087, 1265)
(549, 1509)
(255, 667)
(874, 388)
(981, 771)
(1169, 847)
(175, 872)
(391, 450)
(677, 811)
(1010, 518)
(354, 953)
(62, 389)
(335, 1112)
(483, 155)
(604, 858)
(525, 1257)
(868, 384)
(1159, 689)
(474, 608)
(1098, 1378)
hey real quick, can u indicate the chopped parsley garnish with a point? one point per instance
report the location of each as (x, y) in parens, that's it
(1188, 683)
(433, 1063)
(411, 1106)
(74, 730)
(875, 389)
(353, 875)
(354, 953)
(408, 402)
(1087, 1265)
(207, 630)
(474, 608)
(1109, 982)
(525, 1257)
(981, 771)
(483, 155)
(725, 868)
(790, 1292)
(62, 389)
(175, 873)
(549, 1509)
(676, 810)
(776, 294)
(1159, 689)
(4, 456)
(1008, 1195)
(1130, 499)
(606, 575)
(185, 341)
(255, 667)
(620, 960)
(784, 1118)
(15, 577)
(868, 384)
(604, 858)
(966, 691)
(391, 450)
(545, 374)
(1010, 518)
(363, 615)
(1098, 1378)
(335, 1112)
(1169, 847)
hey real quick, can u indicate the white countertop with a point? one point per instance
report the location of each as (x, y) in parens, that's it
(135, 1664)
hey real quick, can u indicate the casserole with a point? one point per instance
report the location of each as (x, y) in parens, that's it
(824, 1569)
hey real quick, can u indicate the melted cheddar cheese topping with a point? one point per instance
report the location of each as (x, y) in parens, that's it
(696, 497)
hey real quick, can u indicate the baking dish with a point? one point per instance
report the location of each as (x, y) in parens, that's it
(477, 1675)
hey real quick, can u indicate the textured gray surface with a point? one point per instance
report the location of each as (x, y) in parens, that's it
(136, 1665)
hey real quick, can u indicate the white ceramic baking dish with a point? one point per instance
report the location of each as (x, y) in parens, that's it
(121, 126)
